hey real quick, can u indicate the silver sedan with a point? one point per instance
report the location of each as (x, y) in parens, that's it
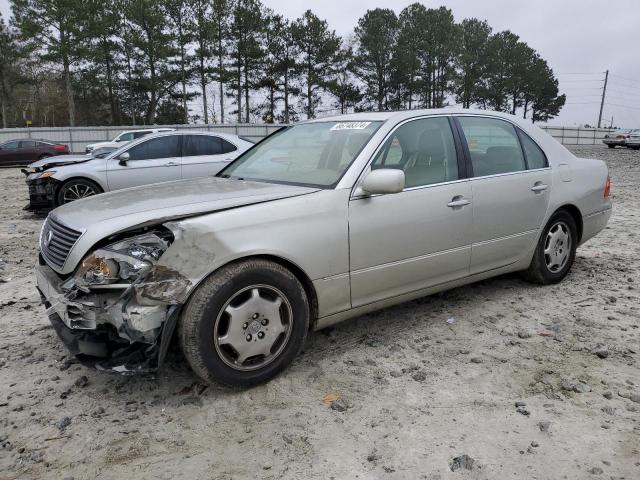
(320, 222)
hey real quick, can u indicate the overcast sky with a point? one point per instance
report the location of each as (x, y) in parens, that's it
(579, 38)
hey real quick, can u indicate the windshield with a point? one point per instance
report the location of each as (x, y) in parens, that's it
(315, 154)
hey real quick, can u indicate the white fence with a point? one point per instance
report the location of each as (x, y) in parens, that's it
(78, 137)
(576, 135)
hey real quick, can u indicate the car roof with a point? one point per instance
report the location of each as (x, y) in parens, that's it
(399, 115)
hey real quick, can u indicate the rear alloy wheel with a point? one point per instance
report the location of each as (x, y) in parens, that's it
(245, 323)
(555, 251)
(75, 190)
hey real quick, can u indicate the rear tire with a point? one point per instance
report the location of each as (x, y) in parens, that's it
(76, 189)
(245, 324)
(556, 250)
(611, 146)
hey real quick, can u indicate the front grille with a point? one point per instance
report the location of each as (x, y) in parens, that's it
(56, 241)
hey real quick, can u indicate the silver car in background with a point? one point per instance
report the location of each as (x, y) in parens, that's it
(633, 139)
(322, 221)
(159, 157)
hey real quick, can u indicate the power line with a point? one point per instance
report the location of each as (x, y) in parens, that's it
(627, 79)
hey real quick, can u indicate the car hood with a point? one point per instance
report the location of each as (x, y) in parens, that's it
(163, 201)
(49, 162)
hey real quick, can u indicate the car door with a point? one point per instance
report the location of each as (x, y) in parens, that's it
(153, 160)
(9, 153)
(419, 237)
(509, 198)
(204, 155)
(28, 151)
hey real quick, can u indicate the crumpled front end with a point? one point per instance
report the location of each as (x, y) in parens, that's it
(118, 310)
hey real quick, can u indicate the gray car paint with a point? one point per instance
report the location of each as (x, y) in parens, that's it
(357, 258)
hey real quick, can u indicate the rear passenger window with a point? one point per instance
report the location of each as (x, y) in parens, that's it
(493, 145)
(140, 134)
(227, 147)
(424, 149)
(197, 145)
(535, 156)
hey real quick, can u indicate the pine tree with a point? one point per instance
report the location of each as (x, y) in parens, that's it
(318, 47)
(376, 34)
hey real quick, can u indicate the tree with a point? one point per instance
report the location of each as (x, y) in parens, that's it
(246, 37)
(102, 48)
(344, 86)
(543, 96)
(203, 34)
(153, 47)
(318, 46)
(182, 24)
(52, 24)
(438, 49)
(221, 23)
(472, 60)
(13, 54)
(376, 34)
(405, 62)
(279, 67)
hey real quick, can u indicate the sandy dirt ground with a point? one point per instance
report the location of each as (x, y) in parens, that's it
(416, 390)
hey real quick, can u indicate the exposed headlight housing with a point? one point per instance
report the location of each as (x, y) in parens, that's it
(121, 262)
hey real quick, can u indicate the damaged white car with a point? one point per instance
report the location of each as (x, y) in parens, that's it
(319, 222)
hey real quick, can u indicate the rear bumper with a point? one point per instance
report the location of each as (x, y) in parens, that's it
(594, 223)
(613, 141)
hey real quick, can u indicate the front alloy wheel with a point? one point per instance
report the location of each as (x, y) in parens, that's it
(245, 323)
(253, 327)
(76, 189)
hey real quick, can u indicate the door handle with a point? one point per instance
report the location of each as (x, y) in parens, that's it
(539, 187)
(458, 201)
(171, 164)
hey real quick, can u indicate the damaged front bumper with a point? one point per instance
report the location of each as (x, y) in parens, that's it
(126, 330)
(42, 193)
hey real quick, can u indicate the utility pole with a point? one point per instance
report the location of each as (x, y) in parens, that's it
(604, 93)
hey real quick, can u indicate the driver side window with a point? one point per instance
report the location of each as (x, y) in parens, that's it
(424, 149)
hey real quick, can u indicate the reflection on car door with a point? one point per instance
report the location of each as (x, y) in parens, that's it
(420, 237)
(509, 200)
(152, 161)
(204, 155)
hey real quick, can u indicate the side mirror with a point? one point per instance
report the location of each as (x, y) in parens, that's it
(123, 159)
(383, 181)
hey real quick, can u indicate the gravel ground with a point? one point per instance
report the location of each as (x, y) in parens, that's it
(418, 395)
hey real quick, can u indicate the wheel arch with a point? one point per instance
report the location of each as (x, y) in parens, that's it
(298, 272)
(576, 214)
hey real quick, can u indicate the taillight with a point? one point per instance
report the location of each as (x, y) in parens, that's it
(60, 148)
(607, 187)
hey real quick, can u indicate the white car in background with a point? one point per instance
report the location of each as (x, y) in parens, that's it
(126, 137)
(160, 157)
(633, 139)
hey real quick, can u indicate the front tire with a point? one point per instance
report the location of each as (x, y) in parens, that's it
(611, 146)
(556, 250)
(245, 324)
(76, 189)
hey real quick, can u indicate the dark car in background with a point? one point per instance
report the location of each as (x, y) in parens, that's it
(24, 151)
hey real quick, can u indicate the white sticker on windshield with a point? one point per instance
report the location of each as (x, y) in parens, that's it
(350, 126)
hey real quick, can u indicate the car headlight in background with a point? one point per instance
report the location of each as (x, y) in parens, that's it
(121, 262)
